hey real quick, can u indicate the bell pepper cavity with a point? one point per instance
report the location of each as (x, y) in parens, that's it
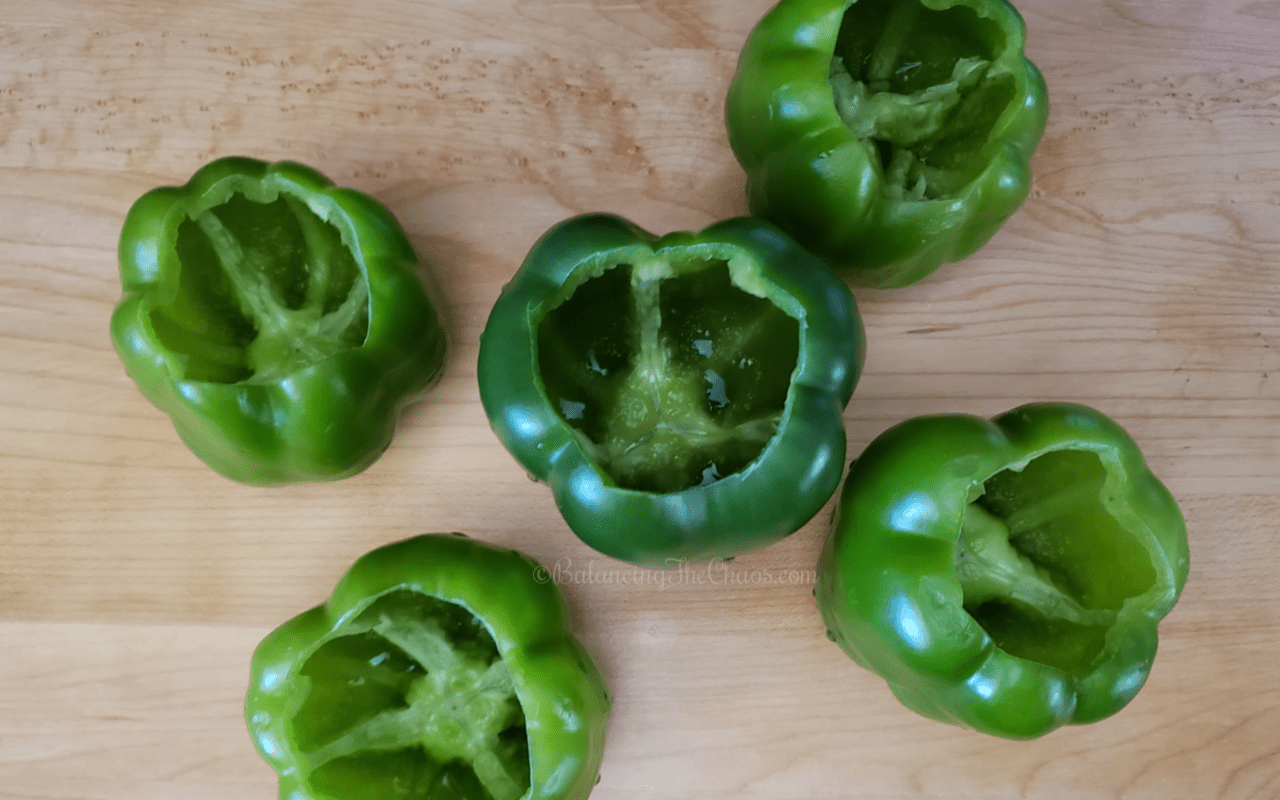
(922, 89)
(1028, 560)
(412, 697)
(672, 375)
(281, 283)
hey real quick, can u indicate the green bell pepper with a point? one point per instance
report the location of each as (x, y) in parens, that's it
(1004, 575)
(278, 320)
(887, 136)
(681, 395)
(441, 668)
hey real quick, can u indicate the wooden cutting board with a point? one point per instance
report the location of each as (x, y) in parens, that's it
(1141, 278)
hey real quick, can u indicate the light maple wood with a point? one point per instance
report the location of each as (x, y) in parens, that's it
(1141, 277)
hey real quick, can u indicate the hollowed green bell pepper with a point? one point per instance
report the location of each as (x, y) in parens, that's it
(681, 395)
(441, 668)
(1008, 575)
(887, 136)
(278, 320)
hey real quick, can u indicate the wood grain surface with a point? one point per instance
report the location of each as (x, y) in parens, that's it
(1142, 277)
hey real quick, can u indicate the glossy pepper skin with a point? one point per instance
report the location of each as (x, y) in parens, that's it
(441, 668)
(887, 136)
(1004, 575)
(279, 321)
(681, 395)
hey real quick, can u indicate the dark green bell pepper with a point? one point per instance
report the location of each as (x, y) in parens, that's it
(887, 136)
(441, 668)
(681, 395)
(278, 320)
(1004, 575)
